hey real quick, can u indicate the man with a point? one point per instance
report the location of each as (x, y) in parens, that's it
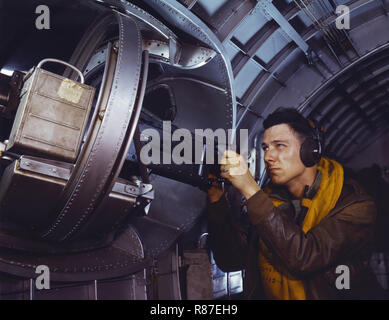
(310, 230)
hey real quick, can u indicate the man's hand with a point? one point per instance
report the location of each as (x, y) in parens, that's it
(234, 168)
(215, 192)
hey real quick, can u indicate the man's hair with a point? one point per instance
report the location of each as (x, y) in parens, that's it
(291, 117)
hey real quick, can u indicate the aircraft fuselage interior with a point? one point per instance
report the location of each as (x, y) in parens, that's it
(91, 88)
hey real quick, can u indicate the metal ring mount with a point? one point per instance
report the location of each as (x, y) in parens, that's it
(93, 178)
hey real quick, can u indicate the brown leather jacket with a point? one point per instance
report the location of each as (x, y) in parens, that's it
(342, 238)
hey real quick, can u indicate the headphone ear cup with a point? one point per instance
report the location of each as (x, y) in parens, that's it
(309, 152)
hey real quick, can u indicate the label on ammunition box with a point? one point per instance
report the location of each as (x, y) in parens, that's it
(70, 91)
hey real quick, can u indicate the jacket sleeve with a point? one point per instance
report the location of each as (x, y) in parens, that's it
(227, 239)
(335, 237)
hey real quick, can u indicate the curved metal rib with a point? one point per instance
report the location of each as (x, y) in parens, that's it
(107, 147)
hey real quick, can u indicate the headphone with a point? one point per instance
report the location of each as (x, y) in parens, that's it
(311, 149)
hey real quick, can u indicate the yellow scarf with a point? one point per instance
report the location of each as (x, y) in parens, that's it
(278, 283)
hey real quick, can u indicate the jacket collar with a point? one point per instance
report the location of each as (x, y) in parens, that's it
(282, 193)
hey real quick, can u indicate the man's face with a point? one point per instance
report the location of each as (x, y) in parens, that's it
(282, 154)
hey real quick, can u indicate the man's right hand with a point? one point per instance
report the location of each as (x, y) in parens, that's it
(215, 192)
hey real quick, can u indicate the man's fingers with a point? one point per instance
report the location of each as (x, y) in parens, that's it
(228, 170)
(230, 157)
(238, 170)
(225, 168)
(230, 153)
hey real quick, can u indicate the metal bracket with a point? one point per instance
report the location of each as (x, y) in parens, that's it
(142, 190)
(195, 56)
(269, 10)
(45, 167)
(164, 46)
(157, 49)
(134, 192)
